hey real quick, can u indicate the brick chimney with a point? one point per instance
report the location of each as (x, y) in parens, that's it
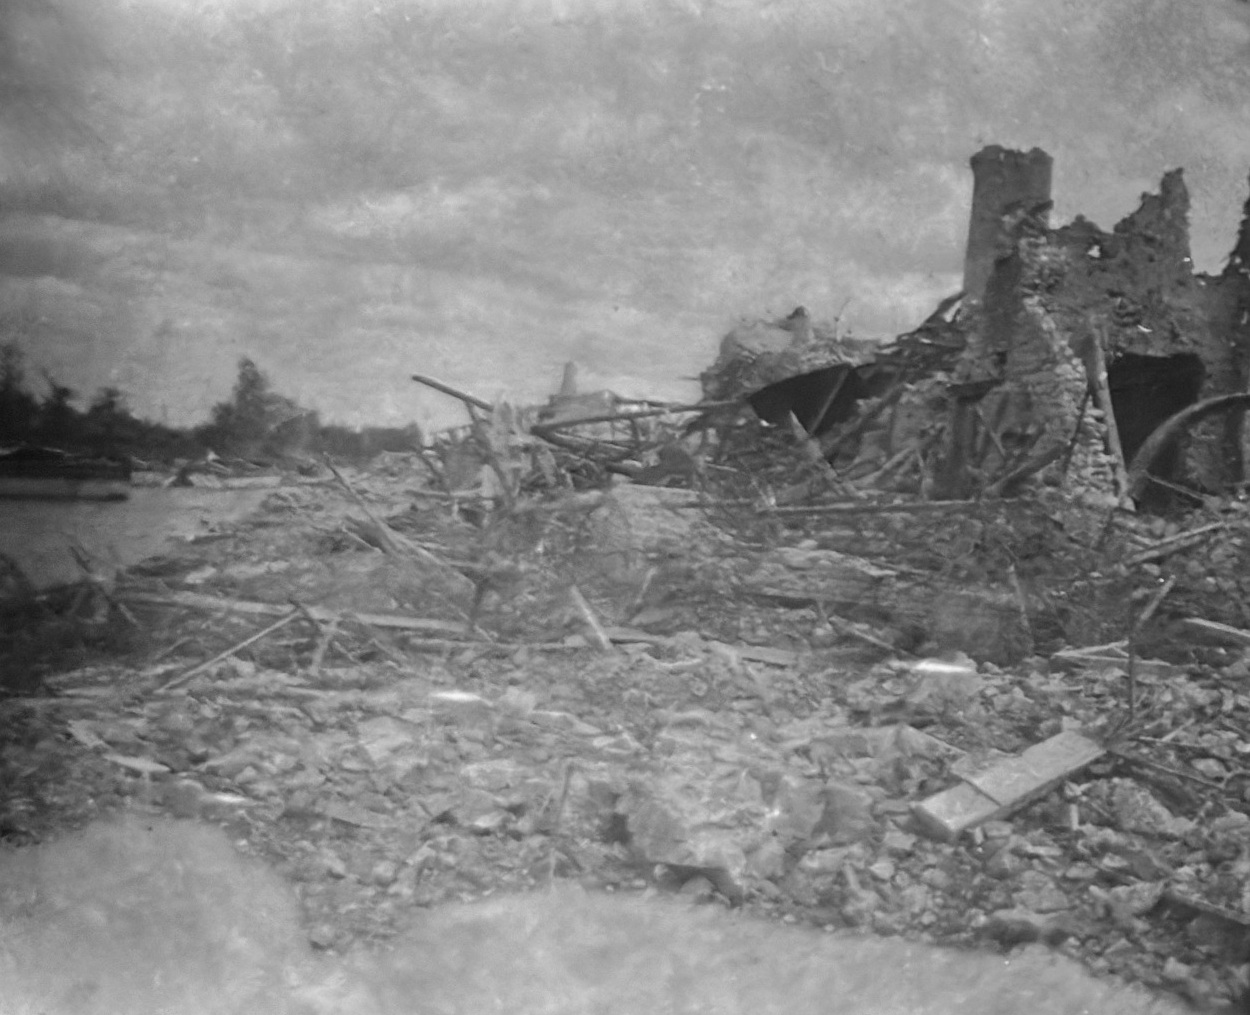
(1001, 178)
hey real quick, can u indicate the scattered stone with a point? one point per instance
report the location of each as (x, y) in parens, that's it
(1136, 809)
(1011, 927)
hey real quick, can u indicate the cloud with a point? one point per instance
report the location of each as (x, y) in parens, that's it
(451, 168)
(440, 207)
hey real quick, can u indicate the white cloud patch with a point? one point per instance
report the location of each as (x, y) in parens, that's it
(440, 207)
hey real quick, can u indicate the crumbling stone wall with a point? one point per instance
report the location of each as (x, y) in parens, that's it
(1227, 302)
(1058, 299)
(1022, 382)
(914, 423)
(1137, 280)
(1135, 291)
(1070, 347)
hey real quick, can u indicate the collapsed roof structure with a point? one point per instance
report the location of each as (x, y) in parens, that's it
(1095, 362)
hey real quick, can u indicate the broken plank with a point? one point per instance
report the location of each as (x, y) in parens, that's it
(1224, 632)
(208, 664)
(447, 389)
(878, 508)
(1005, 786)
(199, 601)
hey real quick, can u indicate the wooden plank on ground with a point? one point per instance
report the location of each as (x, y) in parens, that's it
(1223, 632)
(1006, 785)
(199, 601)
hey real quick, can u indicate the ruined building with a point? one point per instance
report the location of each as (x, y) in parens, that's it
(1070, 349)
(1082, 343)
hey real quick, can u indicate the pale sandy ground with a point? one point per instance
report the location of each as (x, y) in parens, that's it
(152, 916)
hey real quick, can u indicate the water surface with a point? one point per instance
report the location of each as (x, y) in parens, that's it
(38, 534)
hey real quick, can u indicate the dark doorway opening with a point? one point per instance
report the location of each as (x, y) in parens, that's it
(821, 399)
(1145, 391)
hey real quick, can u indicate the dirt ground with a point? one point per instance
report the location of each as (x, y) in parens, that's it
(440, 710)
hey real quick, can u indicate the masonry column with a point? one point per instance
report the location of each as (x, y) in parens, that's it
(1001, 177)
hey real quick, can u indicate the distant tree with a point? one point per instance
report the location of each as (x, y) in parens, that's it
(298, 435)
(341, 442)
(108, 402)
(392, 438)
(238, 426)
(108, 425)
(159, 443)
(19, 409)
(257, 422)
(58, 419)
(361, 445)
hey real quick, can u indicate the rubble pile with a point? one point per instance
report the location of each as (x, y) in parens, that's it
(876, 636)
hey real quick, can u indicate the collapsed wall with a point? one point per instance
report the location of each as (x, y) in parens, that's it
(1076, 321)
(1227, 303)
(1069, 348)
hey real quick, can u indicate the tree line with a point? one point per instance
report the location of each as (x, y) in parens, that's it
(256, 423)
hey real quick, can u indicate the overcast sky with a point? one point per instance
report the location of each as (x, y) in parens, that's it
(352, 190)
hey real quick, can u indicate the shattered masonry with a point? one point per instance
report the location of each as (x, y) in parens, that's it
(1055, 328)
(1002, 180)
(1063, 302)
